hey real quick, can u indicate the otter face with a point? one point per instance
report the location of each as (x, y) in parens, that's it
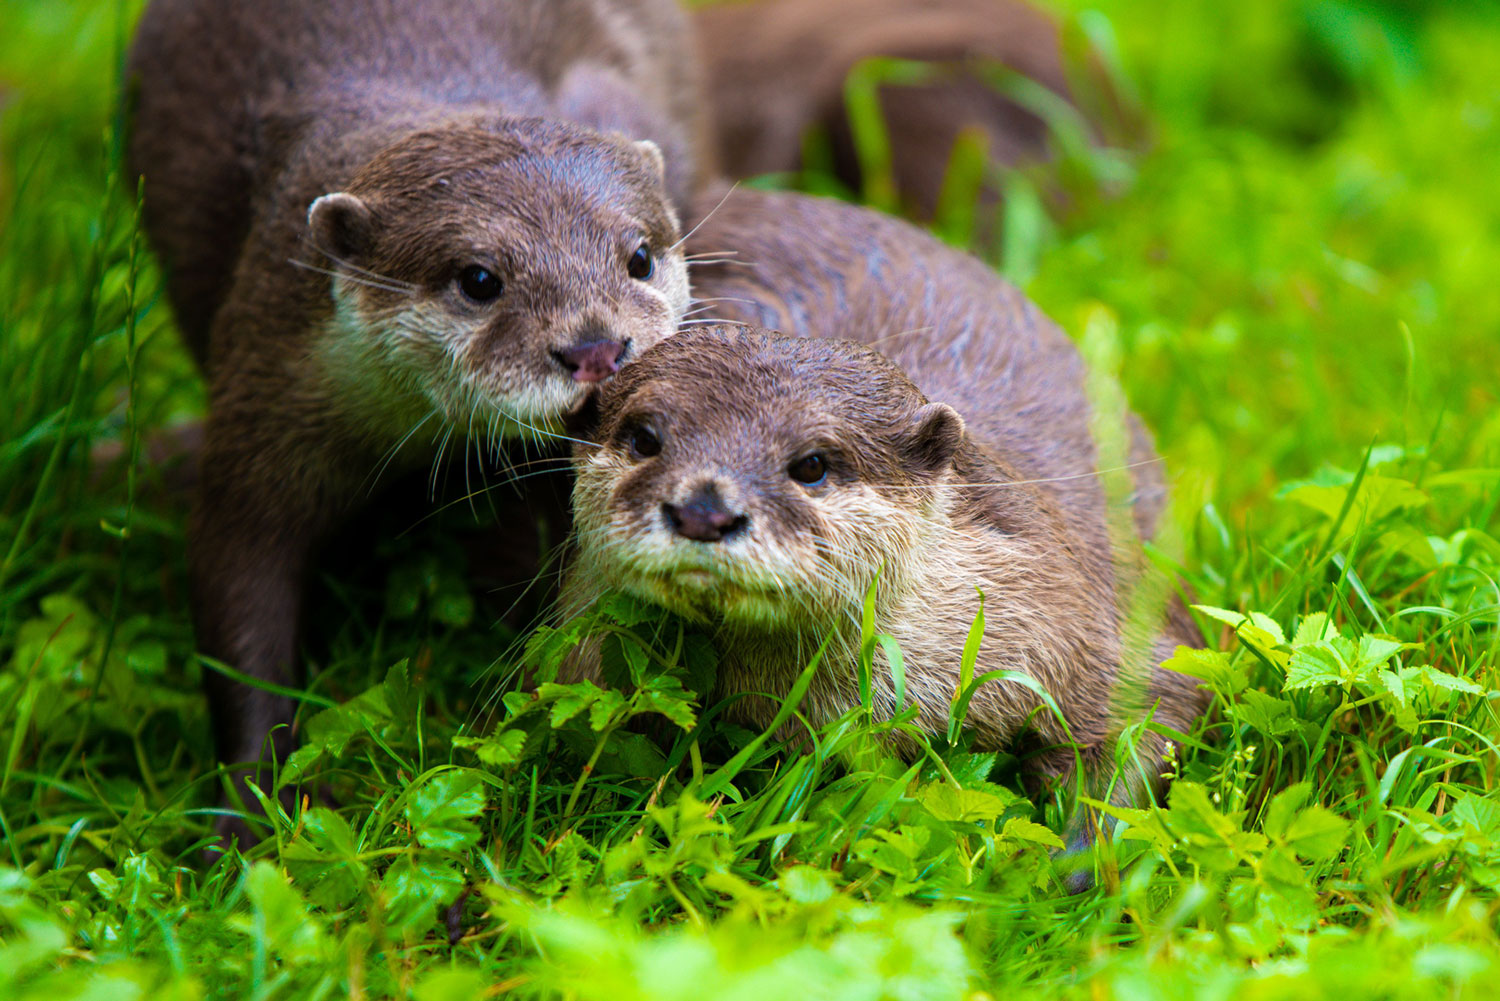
(494, 275)
(759, 481)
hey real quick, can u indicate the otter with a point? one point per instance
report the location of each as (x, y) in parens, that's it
(384, 225)
(777, 68)
(759, 482)
(761, 485)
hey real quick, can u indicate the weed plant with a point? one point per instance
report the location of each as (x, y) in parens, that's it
(1292, 278)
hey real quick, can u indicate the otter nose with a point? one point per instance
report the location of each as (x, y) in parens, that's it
(591, 361)
(704, 518)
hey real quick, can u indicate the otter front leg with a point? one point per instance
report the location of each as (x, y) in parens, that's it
(1174, 701)
(262, 506)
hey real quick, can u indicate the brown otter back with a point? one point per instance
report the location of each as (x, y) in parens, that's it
(776, 68)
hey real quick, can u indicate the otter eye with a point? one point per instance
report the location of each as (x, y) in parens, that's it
(641, 264)
(810, 469)
(479, 283)
(644, 443)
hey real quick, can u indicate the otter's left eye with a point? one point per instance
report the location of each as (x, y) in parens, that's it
(810, 469)
(641, 264)
(644, 443)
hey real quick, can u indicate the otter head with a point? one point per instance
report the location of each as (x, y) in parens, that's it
(495, 272)
(758, 481)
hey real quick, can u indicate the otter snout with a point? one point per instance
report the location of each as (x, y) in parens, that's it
(592, 360)
(704, 517)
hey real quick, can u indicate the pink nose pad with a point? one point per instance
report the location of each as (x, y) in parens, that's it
(704, 518)
(592, 361)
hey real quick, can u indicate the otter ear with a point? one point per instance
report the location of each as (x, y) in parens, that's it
(936, 436)
(341, 225)
(654, 158)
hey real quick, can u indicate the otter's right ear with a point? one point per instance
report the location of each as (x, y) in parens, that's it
(653, 155)
(341, 225)
(937, 434)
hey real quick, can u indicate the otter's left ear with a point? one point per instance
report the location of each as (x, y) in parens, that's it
(341, 224)
(936, 436)
(652, 154)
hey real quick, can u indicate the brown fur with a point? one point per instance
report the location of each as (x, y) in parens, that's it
(1016, 509)
(776, 68)
(443, 134)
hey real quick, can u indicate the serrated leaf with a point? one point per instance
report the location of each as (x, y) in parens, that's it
(1019, 829)
(1282, 809)
(1378, 496)
(804, 884)
(289, 929)
(953, 805)
(1450, 682)
(1212, 666)
(1313, 628)
(606, 709)
(440, 809)
(1374, 651)
(1317, 833)
(1269, 626)
(1233, 619)
(665, 694)
(567, 701)
(1268, 714)
(414, 887)
(1314, 665)
(497, 750)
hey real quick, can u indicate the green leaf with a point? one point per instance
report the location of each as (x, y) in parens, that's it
(1318, 664)
(1282, 810)
(280, 917)
(440, 809)
(1317, 833)
(460, 984)
(1212, 666)
(1268, 714)
(664, 694)
(414, 887)
(497, 750)
(568, 701)
(1314, 628)
(952, 805)
(1378, 496)
(1019, 829)
(1233, 619)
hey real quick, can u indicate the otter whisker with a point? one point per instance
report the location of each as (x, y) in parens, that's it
(394, 450)
(688, 235)
(357, 279)
(968, 484)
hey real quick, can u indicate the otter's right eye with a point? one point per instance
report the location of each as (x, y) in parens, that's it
(644, 443)
(479, 283)
(810, 469)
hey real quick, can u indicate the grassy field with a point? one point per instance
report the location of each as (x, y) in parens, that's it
(1296, 287)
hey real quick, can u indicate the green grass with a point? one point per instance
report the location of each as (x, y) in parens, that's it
(1296, 287)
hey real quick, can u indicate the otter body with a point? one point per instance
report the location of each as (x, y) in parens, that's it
(724, 518)
(776, 69)
(385, 225)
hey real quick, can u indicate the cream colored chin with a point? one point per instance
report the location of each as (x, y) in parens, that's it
(708, 594)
